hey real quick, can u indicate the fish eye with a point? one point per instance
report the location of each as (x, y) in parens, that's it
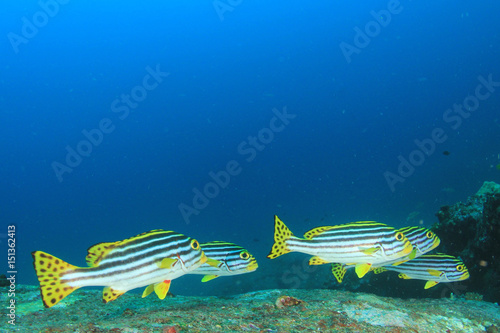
(400, 236)
(460, 268)
(244, 255)
(195, 245)
(429, 234)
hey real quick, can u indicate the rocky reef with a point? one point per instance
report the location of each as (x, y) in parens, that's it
(279, 311)
(471, 230)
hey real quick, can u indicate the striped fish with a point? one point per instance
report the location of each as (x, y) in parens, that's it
(422, 239)
(434, 268)
(145, 259)
(363, 243)
(233, 260)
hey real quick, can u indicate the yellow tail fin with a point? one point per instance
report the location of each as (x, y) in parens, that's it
(281, 234)
(49, 270)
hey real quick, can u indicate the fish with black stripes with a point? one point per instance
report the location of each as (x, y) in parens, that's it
(146, 259)
(233, 260)
(433, 268)
(422, 239)
(363, 243)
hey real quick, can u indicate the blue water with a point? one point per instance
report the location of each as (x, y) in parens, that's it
(203, 78)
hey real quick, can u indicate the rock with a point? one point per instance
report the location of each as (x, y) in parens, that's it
(471, 230)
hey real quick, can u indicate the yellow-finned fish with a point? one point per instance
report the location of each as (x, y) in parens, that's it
(363, 243)
(422, 239)
(233, 260)
(434, 268)
(145, 259)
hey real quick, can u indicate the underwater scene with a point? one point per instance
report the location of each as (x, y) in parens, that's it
(250, 166)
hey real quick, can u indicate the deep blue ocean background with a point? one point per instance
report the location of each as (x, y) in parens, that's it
(229, 65)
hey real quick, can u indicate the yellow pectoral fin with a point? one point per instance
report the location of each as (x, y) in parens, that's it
(109, 294)
(167, 263)
(434, 272)
(430, 284)
(208, 278)
(369, 251)
(317, 261)
(338, 271)
(213, 262)
(413, 253)
(161, 289)
(149, 289)
(362, 269)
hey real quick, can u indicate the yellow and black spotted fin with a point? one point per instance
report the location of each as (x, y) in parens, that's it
(379, 270)
(362, 269)
(97, 252)
(338, 271)
(317, 261)
(316, 231)
(109, 294)
(161, 289)
(281, 234)
(49, 271)
(404, 276)
(209, 277)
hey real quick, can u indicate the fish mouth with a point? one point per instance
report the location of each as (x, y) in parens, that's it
(252, 266)
(465, 276)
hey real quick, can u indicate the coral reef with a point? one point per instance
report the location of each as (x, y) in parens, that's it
(471, 230)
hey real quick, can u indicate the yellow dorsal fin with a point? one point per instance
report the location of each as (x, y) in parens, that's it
(208, 277)
(319, 230)
(338, 271)
(143, 235)
(430, 284)
(404, 276)
(161, 289)
(149, 289)
(316, 231)
(369, 251)
(362, 269)
(379, 270)
(434, 272)
(317, 261)
(49, 271)
(167, 263)
(98, 252)
(109, 294)
(281, 235)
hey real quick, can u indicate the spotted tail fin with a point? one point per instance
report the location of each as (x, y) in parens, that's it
(49, 271)
(281, 235)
